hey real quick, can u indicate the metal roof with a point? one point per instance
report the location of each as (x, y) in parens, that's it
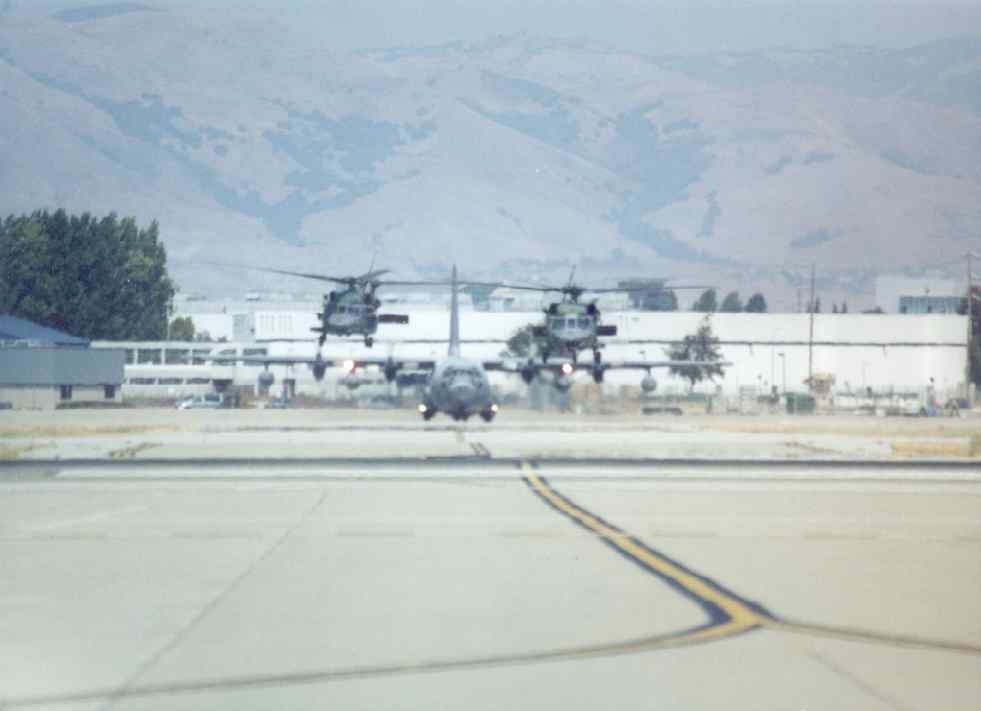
(13, 328)
(51, 365)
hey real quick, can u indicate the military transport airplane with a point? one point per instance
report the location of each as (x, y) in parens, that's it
(458, 386)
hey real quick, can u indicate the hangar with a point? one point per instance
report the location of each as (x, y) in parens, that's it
(42, 368)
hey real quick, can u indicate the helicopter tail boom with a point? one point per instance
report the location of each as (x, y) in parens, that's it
(393, 318)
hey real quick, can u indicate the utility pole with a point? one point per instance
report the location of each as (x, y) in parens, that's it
(968, 389)
(810, 339)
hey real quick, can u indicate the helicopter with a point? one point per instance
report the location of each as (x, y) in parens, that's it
(352, 309)
(572, 326)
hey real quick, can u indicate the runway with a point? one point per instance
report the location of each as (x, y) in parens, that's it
(545, 584)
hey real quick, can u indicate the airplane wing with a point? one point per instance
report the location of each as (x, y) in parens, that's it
(651, 364)
(390, 366)
(348, 363)
(516, 365)
(531, 367)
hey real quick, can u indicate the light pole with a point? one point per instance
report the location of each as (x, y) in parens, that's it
(968, 390)
(783, 365)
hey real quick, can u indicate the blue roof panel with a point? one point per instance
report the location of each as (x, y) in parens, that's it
(19, 329)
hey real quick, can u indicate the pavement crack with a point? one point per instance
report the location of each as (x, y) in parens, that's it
(858, 682)
(209, 607)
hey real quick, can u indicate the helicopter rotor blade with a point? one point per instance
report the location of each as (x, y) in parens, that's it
(371, 276)
(303, 275)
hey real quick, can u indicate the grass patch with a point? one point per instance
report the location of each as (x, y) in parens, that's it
(10, 453)
(808, 448)
(82, 431)
(970, 448)
(938, 428)
(132, 451)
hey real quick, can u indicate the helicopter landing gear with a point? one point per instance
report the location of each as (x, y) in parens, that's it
(598, 367)
(369, 341)
(320, 341)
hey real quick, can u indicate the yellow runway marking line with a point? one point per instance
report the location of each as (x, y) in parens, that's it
(728, 613)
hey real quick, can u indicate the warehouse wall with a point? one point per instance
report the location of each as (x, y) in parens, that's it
(860, 350)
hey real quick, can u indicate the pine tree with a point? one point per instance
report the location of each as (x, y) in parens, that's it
(756, 304)
(700, 346)
(707, 302)
(732, 303)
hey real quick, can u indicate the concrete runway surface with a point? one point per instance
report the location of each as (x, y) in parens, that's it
(541, 586)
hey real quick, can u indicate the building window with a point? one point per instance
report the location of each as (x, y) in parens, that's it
(66, 392)
(110, 392)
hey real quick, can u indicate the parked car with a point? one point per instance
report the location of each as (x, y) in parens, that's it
(209, 401)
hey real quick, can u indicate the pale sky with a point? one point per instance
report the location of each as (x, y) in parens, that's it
(649, 26)
(674, 26)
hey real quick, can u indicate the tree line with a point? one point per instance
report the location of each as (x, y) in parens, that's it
(97, 278)
(708, 302)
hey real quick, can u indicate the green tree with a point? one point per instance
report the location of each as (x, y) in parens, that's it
(756, 304)
(521, 343)
(844, 308)
(732, 303)
(700, 346)
(181, 329)
(96, 278)
(707, 302)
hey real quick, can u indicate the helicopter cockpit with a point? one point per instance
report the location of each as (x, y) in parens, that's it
(562, 324)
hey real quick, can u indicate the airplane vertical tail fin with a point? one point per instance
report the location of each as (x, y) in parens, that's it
(454, 317)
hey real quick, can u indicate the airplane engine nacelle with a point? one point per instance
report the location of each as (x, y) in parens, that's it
(318, 372)
(266, 379)
(390, 370)
(351, 381)
(528, 373)
(648, 384)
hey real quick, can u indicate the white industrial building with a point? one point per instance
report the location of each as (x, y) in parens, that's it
(860, 351)
(896, 293)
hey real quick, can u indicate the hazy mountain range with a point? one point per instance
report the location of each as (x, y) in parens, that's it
(516, 157)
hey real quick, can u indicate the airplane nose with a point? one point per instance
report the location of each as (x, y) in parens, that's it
(461, 391)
